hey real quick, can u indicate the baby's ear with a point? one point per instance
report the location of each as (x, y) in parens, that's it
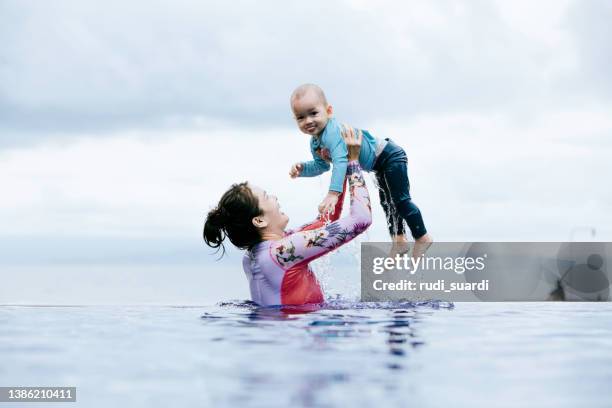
(330, 109)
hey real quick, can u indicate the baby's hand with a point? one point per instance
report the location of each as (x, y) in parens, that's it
(296, 170)
(329, 203)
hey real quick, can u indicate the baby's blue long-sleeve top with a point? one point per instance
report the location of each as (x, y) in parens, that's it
(330, 144)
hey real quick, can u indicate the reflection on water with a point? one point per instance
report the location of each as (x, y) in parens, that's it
(424, 354)
(328, 325)
(367, 331)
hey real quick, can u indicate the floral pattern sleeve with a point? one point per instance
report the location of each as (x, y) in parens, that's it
(307, 245)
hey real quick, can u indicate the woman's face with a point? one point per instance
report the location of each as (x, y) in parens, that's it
(275, 219)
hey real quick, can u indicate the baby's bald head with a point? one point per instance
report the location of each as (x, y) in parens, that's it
(310, 109)
(306, 89)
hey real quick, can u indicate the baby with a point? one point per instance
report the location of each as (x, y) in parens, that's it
(313, 115)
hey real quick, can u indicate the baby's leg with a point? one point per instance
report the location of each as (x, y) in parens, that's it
(394, 222)
(395, 173)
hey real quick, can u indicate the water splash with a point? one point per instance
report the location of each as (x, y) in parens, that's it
(339, 271)
(343, 304)
(339, 303)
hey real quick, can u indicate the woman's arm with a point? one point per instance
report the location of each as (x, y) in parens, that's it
(307, 245)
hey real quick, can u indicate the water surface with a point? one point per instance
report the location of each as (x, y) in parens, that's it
(349, 354)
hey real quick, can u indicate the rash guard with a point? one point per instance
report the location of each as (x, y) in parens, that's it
(278, 271)
(329, 147)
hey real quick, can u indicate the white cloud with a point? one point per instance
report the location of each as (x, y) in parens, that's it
(116, 65)
(474, 176)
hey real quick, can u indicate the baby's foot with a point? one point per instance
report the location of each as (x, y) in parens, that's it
(421, 245)
(399, 248)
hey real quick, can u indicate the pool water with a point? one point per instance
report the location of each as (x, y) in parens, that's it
(349, 354)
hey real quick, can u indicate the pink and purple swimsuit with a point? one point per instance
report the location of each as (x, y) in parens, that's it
(278, 270)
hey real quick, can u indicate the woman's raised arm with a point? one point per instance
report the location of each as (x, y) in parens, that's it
(307, 245)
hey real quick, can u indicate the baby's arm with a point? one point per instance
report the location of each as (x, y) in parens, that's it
(314, 167)
(338, 152)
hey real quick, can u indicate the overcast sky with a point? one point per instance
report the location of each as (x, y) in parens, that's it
(121, 123)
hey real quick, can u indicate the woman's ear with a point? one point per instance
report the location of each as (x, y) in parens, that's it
(260, 222)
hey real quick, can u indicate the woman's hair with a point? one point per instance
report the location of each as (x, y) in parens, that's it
(233, 218)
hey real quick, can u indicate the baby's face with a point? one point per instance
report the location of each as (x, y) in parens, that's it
(310, 113)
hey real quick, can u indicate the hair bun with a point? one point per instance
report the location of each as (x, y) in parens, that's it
(214, 227)
(232, 218)
(217, 216)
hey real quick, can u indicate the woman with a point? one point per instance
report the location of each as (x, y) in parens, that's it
(277, 261)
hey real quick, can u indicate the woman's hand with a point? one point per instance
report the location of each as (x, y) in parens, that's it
(328, 204)
(353, 142)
